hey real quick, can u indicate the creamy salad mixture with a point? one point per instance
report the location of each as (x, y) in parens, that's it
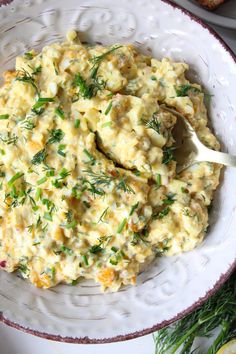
(88, 183)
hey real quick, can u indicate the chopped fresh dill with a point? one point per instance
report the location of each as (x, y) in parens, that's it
(56, 135)
(134, 207)
(91, 158)
(96, 60)
(162, 213)
(103, 215)
(183, 90)
(167, 155)
(25, 77)
(39, 157)
(153, 123)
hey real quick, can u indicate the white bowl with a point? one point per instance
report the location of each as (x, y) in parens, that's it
(170, 287)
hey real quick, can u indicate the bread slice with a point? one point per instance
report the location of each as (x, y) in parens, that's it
(211, 4)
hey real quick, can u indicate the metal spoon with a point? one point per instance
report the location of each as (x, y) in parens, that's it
(189, 149)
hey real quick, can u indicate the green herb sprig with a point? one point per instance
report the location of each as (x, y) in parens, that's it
(218, 311)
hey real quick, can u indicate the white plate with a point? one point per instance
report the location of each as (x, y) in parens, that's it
(224, 15)
(171, 287)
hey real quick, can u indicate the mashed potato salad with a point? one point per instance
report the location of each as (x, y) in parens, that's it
(88, 183)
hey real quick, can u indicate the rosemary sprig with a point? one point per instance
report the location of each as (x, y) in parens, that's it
(218, 311)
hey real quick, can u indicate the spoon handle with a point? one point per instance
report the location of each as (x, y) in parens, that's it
(217, 157)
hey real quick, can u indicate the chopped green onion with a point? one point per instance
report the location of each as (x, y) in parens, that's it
(77, 123)
(41, 181)
(75, 282)
(107, 124)
(71, 225)
(38, 194)
(113, 261)
(108, 108)
(121, 225)
(66, 250)
(4, 116)
(158, 180)
(29, 55)
(62, 153)
(134, 207)
(85, 259)
(48, 216)
(114, 249)
(153, 78)
(14, 178)
(59, 112)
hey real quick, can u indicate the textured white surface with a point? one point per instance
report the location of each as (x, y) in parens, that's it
(172, 284)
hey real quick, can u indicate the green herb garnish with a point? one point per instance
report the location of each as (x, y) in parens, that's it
(77, 123)
(41, 180)
(183, 90)
(217, 312)
(25, 77)
(85, 259)
(42, 101)
(59, 112)
(92, 160)
(121, 226)
(162, 213)
(29, 55)
(14, 178)
(153, 123)
(158, 180)
(169, 200)
(39, 157)
(134, 207)
(66, 250)
(167, 155)
(4, 116)
(96, 60)
(56, 135)
(109, 107)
